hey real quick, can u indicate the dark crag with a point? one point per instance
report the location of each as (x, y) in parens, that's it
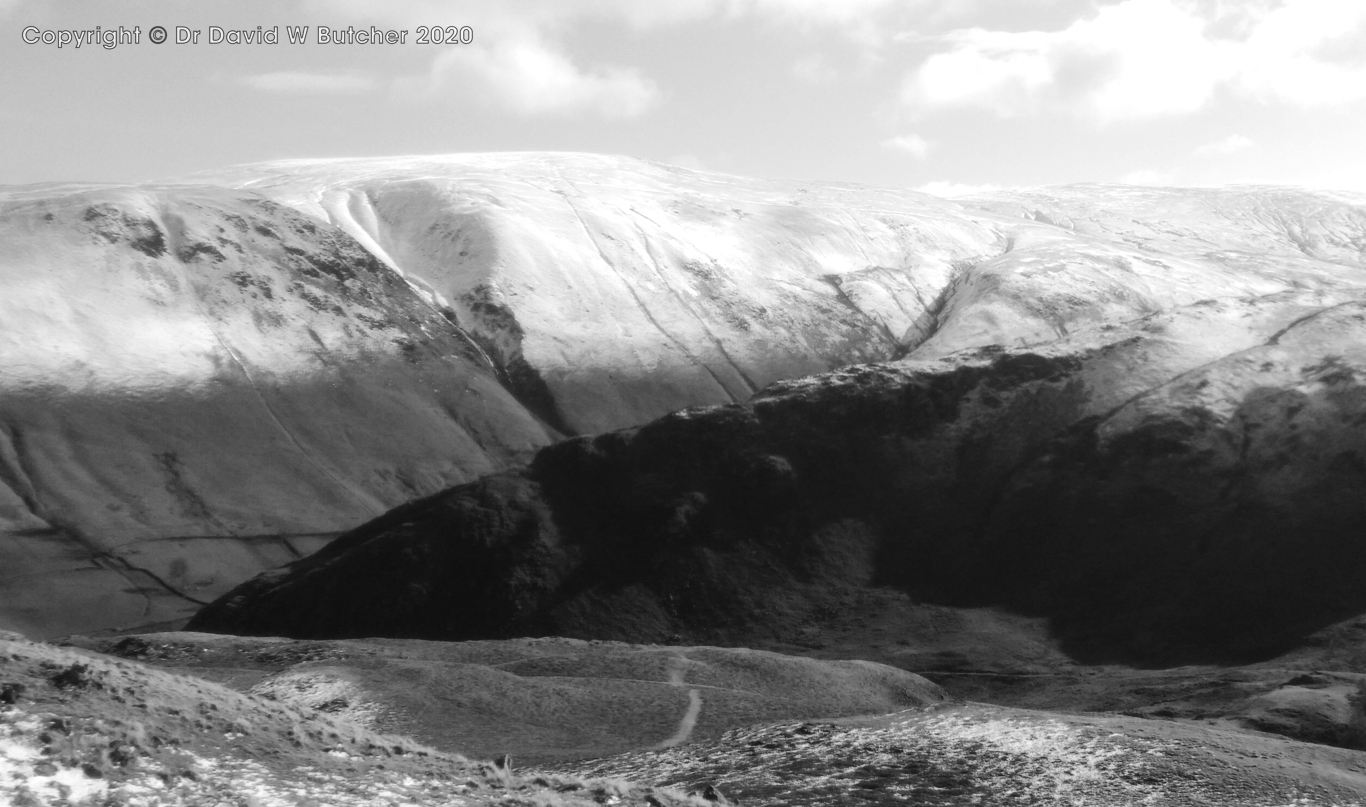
(1172, 528)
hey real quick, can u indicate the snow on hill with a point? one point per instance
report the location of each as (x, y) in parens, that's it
(628, 289)
(200, 381)
(183, 364)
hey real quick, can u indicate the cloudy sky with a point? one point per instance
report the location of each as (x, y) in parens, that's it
(941, 95)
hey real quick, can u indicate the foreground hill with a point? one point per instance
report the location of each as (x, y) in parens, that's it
(80, 728)
(540, 699)
(83, 729)
(969, 754)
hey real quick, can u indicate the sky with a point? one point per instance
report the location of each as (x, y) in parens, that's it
(947, 96)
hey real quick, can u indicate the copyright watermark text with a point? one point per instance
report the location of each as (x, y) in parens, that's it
(107, 38)
(110, 38)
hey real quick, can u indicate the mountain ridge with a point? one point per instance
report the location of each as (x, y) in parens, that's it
(593, 293)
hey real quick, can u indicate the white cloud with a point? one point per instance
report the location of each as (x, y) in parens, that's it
(912, 144)
(864, 21)
(309, 83)
(1148, 176)
(1003, 79)
(1229, 145)
(1307, 52)
(840, 12)
(814, 69)
(522, 50)
(1149, 58)
(530, 78)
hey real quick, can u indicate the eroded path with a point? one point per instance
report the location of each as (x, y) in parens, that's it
(689, 721)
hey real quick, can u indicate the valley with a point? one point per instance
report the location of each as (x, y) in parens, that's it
(657, 480)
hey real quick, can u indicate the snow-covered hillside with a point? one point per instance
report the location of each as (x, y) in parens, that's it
(633, 288)
(199, 381)
(183, 364)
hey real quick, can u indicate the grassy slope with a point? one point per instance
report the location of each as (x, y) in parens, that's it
(541, 699)
(94, 729)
